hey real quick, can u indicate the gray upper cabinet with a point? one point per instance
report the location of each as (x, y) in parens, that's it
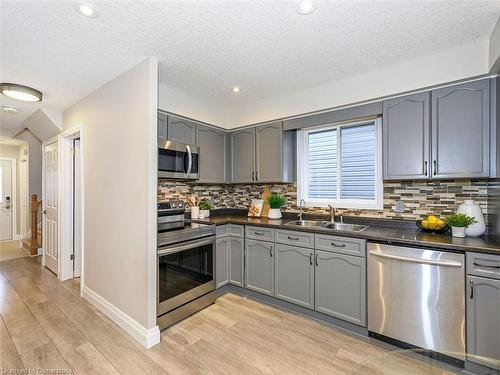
(162, 126)
(259, 266)
(406, 127)
(243, 155)
(221, 262)
(213, 158)
(294, 275)
(269, 155)
(181, 130)
(483, 321)
(460, 130)
(236, 261)
(340, 286)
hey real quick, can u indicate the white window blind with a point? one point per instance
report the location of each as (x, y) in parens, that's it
(341, 165)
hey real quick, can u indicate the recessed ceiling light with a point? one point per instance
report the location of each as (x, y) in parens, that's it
(20, 92)
(9, 109)
(305, 7)
(236, 89)
(86, 10)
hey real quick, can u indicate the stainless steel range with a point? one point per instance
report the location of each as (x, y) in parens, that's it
(186, 265)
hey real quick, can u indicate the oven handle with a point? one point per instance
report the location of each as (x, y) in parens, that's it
(166, 250)
(190, 160)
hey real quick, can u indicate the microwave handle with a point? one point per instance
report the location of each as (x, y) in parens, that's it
(190, 160)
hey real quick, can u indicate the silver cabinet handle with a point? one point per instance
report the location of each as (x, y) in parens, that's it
(253, 175)
(293, 238)
(435, 167)
(425, 168)
(484, 265)
(335, 245)
(256, 175)
(271, 251)
(421, 261)
(471, 283)
(311, 259)
(316, 260)
(258, 233)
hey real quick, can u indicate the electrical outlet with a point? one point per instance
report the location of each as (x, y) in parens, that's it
(399, 206)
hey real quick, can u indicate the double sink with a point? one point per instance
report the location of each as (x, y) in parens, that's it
(328, 225)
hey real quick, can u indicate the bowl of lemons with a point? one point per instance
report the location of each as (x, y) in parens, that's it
(433, 224)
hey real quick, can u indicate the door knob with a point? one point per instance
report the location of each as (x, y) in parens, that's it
(44, 212)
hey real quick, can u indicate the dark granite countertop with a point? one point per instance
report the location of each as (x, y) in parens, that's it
(380, 230)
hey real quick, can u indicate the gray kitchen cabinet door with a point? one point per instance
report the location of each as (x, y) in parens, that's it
(162, 126)
(460, 130)
(236, 261)
(181, 130)
(294, 275)
(406, 138)
(243, 155)
(340, 286)
(212, 144)
(483, 321)
(269, 152)
(259, 266)
(222, 262)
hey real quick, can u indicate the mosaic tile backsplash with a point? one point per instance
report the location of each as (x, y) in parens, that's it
(421, 198)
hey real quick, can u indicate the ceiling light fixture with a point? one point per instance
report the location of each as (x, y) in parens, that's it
(236, 89)
(86, 10)
(10, 109)
(306, 7)
(20, 92)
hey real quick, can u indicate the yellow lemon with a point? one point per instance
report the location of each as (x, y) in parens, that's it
(432, 225)
(432, 219)
(425, 224)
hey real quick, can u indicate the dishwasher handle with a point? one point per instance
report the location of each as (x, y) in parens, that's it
(414, 260)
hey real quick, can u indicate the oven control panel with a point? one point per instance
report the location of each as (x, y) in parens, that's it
(171, 205)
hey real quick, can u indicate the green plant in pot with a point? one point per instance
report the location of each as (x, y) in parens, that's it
(458, 223)
(276, 201)
(205, 208)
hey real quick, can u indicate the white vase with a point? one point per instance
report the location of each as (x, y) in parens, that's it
(205, 213)
(458, 231)
(195, 212)
(471, 209)
(274, 213)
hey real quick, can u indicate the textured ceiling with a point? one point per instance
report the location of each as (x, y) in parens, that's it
(206, 47)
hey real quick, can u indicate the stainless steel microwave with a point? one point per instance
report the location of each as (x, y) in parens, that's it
(178, 160)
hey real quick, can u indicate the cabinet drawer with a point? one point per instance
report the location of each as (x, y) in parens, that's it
(260, 233)
(485, 265)
(222, 230)
(295, 238)
(236, 230)
(344, 245)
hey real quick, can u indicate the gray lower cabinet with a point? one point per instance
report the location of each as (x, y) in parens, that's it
(243, 155)
(483, 321)
(294, 275)
(181, 130)
(213, 158)
(222, 262)
(259, 266)
(236, 261)
(460, 130)
(406, 127)
(340, 286)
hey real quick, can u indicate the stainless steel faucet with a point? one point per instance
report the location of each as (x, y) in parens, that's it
(332, 214)
(300, 207)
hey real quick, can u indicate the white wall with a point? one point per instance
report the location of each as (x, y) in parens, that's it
(119, 193)
(35, 161)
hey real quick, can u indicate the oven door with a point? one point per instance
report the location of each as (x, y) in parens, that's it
(176, 160)
(185, 272)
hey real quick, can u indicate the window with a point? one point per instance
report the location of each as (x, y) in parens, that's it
(341, 165)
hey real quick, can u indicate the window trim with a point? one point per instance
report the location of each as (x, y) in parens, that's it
(302, 166)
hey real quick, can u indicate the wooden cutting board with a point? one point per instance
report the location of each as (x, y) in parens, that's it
(265, 195)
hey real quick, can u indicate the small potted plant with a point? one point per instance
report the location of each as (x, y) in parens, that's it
(458, 223)
(275, 201)
(205, 207)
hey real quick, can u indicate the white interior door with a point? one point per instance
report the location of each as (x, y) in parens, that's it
(6, 200)
(77, 210)
(24, 196)
(50, 205)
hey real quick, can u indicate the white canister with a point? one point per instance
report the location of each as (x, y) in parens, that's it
(471, 209)
(205, 213)
(458, 231)
(274, 213)
(195, 212)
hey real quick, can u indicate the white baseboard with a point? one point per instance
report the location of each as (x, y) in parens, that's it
(146, 337)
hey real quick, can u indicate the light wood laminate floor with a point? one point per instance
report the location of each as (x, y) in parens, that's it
(45, 324)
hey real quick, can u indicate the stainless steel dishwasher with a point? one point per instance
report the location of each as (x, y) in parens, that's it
(416, 296)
